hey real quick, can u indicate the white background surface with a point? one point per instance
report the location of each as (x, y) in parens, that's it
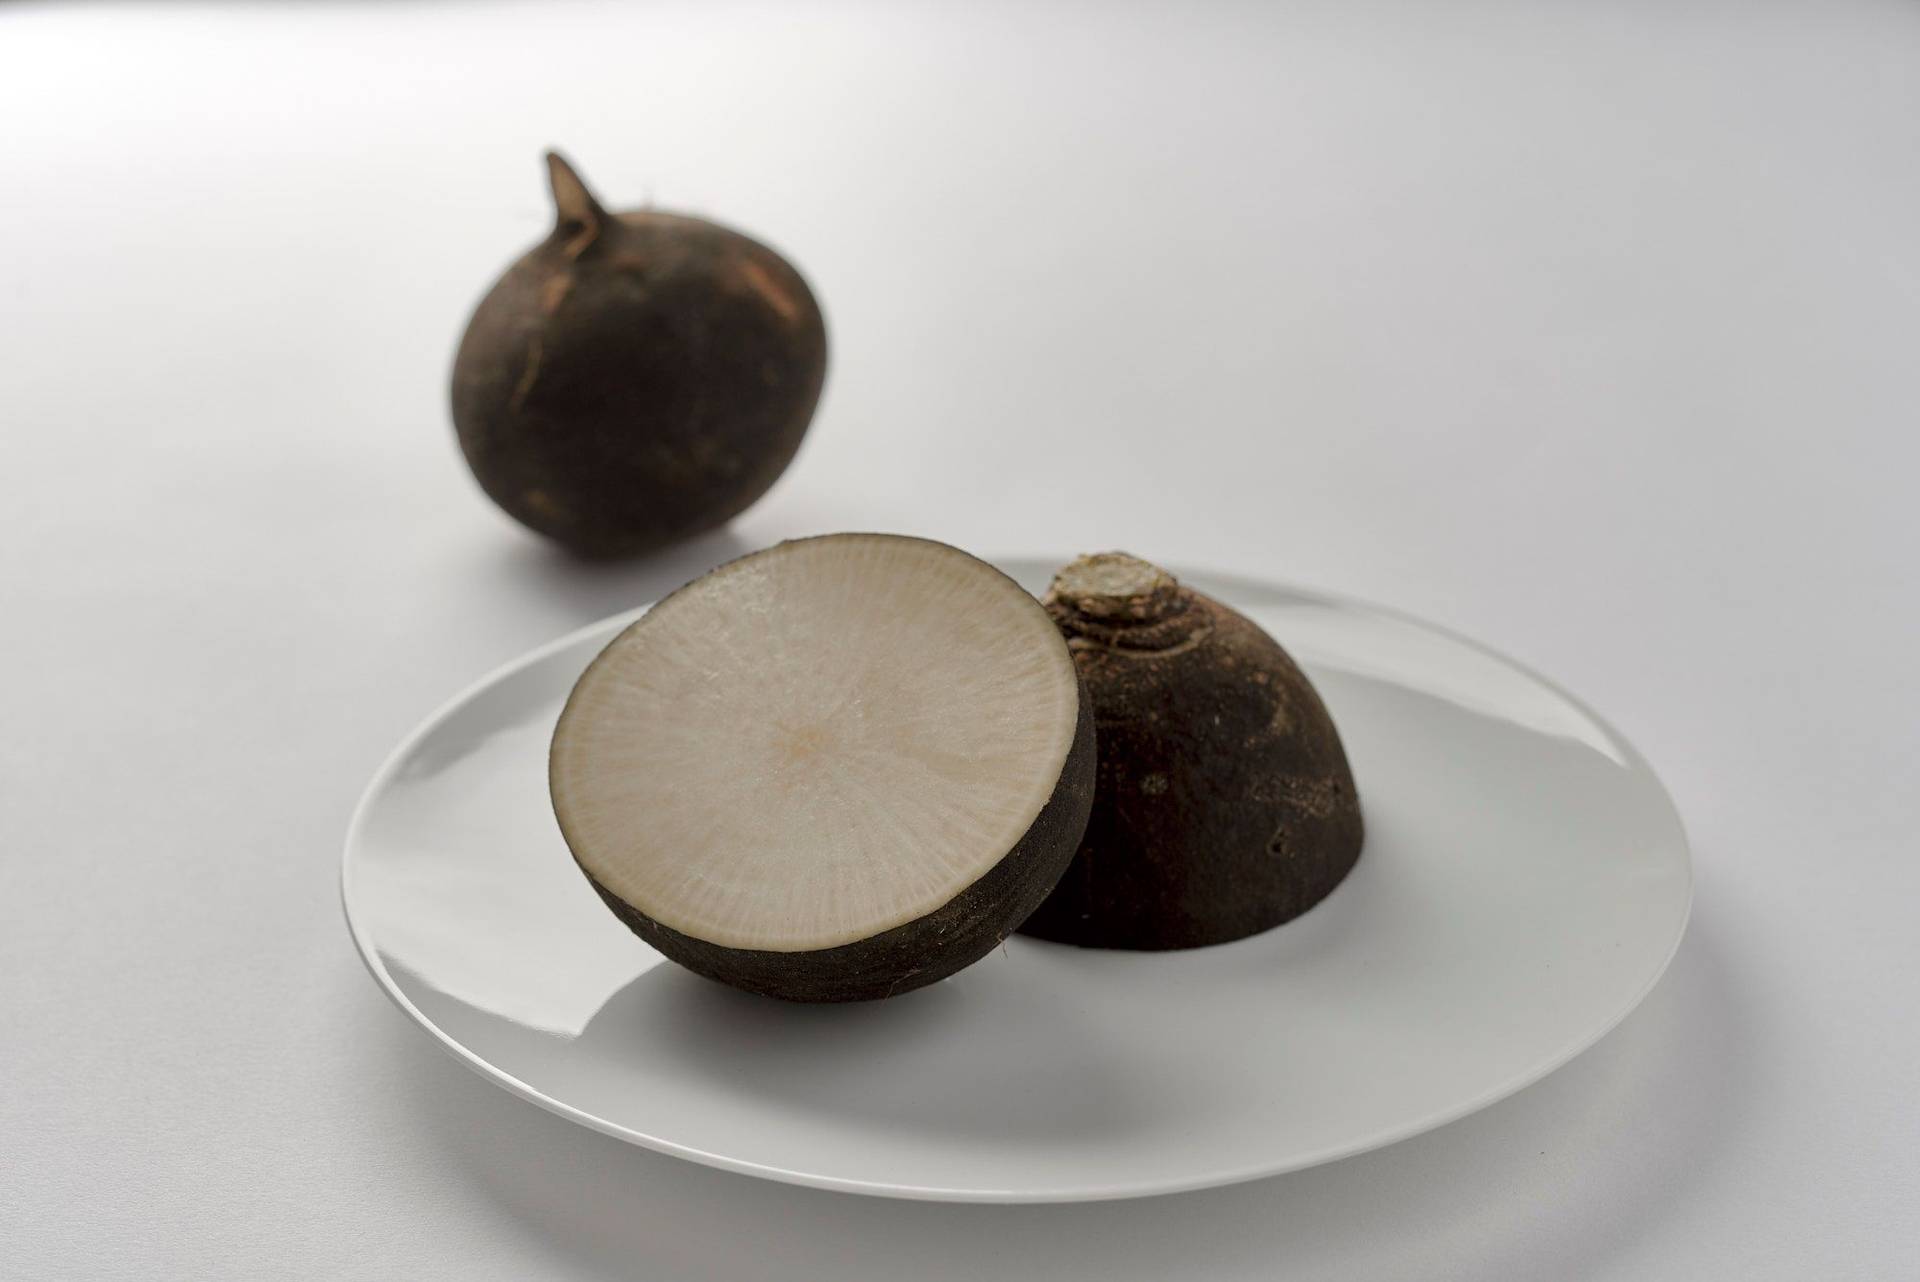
(1586, 328)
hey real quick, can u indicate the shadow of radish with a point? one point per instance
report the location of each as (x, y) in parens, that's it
(932, 1061)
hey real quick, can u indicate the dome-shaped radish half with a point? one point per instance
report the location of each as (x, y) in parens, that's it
(1225, 805)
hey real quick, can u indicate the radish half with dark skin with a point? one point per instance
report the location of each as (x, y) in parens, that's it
(835, 770)
(636, 378)
(1225, 805)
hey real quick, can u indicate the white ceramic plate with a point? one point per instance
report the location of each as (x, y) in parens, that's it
(1524, 883)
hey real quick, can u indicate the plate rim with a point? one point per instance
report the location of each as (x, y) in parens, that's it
(1002, 1195)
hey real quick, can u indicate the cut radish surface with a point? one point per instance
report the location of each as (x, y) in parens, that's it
(837, 769)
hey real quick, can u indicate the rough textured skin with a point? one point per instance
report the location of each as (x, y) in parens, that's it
(953, 936)
(637, 378)
(1225, 805)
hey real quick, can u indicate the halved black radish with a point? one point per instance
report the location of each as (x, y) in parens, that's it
(1225, 804)
(835, 770)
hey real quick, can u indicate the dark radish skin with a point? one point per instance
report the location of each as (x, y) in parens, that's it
(636, 378)
(1224, 804)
